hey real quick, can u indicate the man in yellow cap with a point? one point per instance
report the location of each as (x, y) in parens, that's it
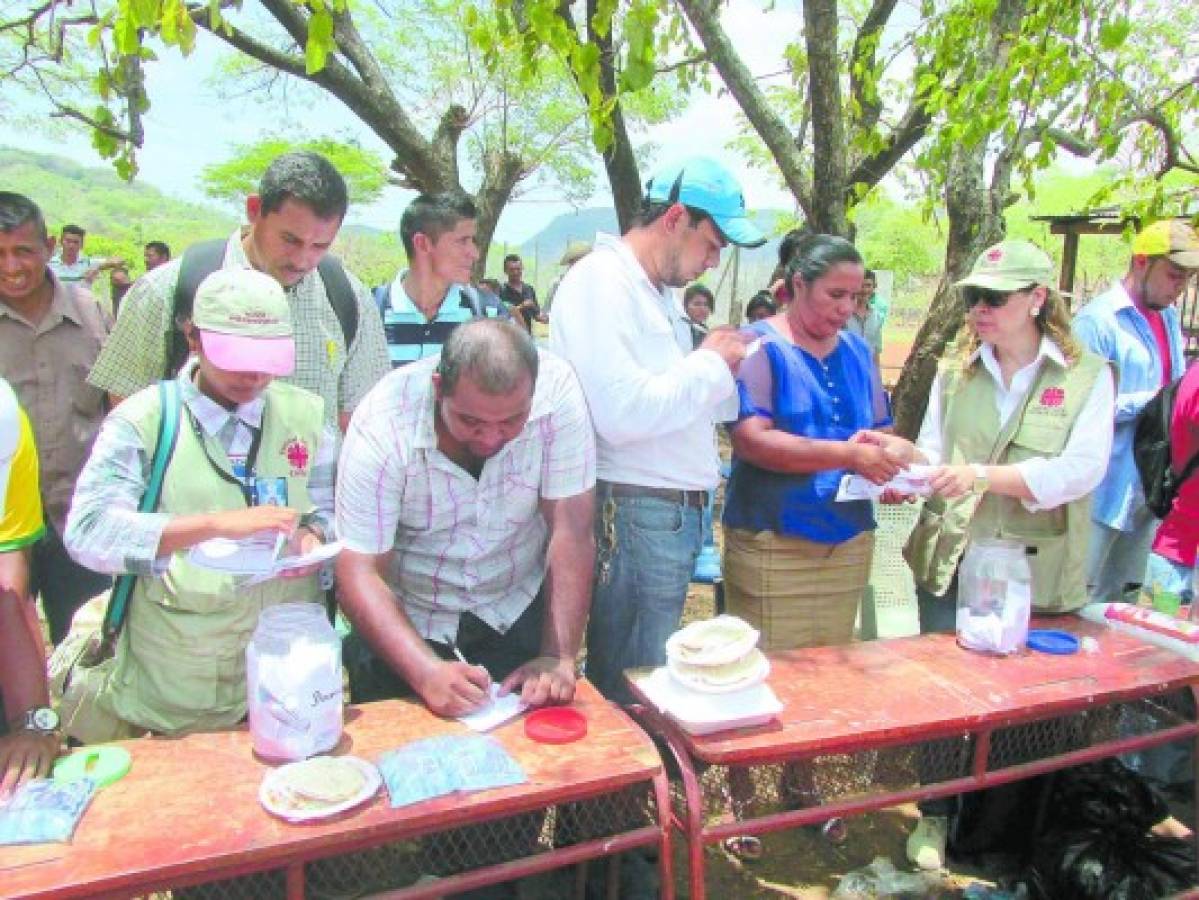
(1135, 325)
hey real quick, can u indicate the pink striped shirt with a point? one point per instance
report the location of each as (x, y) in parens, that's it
(461, 544)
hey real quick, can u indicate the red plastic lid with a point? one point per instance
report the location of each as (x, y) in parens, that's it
(555, 725)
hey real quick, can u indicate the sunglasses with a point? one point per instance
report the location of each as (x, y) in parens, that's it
(972, 296)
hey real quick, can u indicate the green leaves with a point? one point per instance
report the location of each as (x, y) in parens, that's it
(1112, 34)
(364, 170)
(320, 40)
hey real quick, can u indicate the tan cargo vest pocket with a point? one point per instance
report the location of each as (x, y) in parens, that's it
(937, 542)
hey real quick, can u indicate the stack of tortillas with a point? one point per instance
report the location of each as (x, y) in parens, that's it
(318, 787)
(716, 656)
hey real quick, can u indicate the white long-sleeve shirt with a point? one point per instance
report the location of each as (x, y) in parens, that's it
(1053, 481)
(653, 401)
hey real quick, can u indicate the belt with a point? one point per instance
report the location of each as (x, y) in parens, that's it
(698, 499)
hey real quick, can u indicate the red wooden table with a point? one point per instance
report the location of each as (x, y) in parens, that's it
(188, 815)
(873, 724)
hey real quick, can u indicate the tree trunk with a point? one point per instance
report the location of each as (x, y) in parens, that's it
(619, 160)
(972, 227)
(500, 177)
(829, 144)
(974, 210)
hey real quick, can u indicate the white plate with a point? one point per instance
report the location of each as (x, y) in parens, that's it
(278, 800)
(710, 713)
(757, 668)
(719, 654)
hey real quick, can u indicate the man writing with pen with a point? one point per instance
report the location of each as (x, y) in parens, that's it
(464, 502)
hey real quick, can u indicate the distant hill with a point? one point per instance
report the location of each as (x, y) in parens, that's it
(120, 217)
(114, 212)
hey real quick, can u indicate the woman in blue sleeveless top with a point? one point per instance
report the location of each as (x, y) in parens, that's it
(796, 562)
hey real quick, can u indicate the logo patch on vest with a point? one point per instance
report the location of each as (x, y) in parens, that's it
(1053, 396)
(297, 454)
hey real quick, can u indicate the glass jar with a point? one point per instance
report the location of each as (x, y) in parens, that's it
(293, 682)
(994, 596)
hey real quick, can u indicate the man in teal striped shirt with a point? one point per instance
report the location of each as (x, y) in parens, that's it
(434, 295)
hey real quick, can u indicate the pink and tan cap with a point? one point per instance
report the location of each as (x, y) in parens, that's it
(245, 322)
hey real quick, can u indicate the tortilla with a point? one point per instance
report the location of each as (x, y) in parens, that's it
(712, 642)
(741, 673)
(324, 779)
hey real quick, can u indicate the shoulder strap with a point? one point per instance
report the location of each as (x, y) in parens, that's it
(170, 405)
(474, 301)
(198, 262)
(382, 295)
(341, 296)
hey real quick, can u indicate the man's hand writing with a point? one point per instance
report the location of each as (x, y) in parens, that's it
(455, 688)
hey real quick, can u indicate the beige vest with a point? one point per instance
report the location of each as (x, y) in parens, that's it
(181, 658)
(1056, 539)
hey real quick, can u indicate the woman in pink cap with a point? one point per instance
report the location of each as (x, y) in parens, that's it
(252, 461)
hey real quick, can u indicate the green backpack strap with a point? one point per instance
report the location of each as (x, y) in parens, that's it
(170, 404)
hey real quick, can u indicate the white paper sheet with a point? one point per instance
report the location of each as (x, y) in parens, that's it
(323, 553)
(495, 713)
(254, 555)
(913, 480)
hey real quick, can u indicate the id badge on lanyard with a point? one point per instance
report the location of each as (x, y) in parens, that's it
(256, 490)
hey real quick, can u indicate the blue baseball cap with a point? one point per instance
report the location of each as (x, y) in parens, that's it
(703, 184)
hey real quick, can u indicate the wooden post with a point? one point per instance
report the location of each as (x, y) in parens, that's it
(1069, 261)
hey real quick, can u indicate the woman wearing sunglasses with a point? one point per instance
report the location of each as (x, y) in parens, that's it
(1019, 425)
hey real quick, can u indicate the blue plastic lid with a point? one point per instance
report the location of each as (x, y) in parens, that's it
(1048, 640)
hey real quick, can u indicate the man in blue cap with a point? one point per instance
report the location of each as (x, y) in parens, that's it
(618, 319)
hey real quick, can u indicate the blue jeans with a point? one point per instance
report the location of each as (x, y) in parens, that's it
(645, 554)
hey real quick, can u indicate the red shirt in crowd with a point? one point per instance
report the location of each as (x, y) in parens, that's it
(1158, 326)
(1178, 534)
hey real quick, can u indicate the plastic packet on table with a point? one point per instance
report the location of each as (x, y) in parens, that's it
(441, 765)
(44, 811)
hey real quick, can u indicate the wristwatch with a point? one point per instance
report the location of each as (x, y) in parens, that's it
(41, 719)
(981, 481)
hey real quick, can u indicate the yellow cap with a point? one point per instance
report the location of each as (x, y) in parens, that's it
(1172, 238)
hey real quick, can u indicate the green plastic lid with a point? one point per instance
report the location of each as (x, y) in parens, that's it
(102, 764)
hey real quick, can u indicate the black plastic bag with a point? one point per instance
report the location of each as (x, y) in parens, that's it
(1097, 845)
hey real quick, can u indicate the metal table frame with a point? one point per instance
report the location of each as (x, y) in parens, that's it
(1052, 715)
(157, 829)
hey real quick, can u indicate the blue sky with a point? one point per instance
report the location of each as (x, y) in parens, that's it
(189, 126)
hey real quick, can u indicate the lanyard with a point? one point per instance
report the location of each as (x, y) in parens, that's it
(248, 485)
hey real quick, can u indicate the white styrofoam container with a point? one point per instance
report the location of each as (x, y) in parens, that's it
(700, 714)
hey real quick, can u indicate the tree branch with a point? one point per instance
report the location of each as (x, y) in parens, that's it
(907, 133)
(862, 60)
(681, 64)
(704, 16)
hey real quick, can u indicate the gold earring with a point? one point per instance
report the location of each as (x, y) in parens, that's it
(1034, 312)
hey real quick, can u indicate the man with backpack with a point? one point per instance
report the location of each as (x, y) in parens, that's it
(433, 296)
(293, 220)
(1135, 325)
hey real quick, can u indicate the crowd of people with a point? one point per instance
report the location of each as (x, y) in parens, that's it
(504, 506)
